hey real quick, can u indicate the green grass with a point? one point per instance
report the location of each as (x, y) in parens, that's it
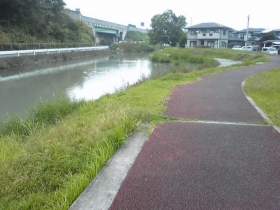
(175, 55)
(264, 89)
(42, 114)
(137, 36)
(129, 47)
(48, 159)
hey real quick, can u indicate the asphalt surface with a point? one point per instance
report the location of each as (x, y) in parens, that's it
(218, 155)
(205, 166)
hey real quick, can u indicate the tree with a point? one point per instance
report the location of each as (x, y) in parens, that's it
(56, 5)
(43, 20)
(267, 36)
(183, 40)
(167, 28)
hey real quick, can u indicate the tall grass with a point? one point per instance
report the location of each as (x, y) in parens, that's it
(49, 162)
(255, 59)
(204, 57)
(42, 114)
(48, 159)
(134, 47)
(264, 88)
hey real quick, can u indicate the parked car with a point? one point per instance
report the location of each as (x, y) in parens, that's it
(269, 49)
(236, 47)
(249, 48)
(265, 49)
(272, 50)
(256, 48)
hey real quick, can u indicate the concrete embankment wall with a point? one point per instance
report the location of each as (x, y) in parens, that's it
(26, 60)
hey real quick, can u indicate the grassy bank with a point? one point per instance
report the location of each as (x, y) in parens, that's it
(130, 47)
(264, 89)
(204, 56)
(47, 160)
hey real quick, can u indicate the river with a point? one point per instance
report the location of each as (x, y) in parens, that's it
(86, 79)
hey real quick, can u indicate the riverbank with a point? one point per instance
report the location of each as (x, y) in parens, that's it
(48, 159)
(27, 60)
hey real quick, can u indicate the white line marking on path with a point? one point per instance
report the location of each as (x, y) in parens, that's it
(224, 123)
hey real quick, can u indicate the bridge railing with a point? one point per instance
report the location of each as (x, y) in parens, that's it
(49, 51)
(33, 46)
(103, 23)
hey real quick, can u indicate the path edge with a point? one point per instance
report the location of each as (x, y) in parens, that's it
(253, 103)
(101, 191)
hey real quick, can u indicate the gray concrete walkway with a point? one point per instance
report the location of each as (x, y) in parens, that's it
(218, 155)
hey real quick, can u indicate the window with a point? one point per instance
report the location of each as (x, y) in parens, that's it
(224, 32)
(193, 32)
(210, 44)
(193, 43)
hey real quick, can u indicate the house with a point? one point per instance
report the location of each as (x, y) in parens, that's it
(254, 35)
(213, 35)
(233, 39)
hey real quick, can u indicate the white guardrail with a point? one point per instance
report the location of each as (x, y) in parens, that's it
(48, 51)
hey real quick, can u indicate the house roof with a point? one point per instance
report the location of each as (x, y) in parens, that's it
(235, 39)
(269, 30)
(272, 41)
(251, 30)
(254, 38)
(207, 25)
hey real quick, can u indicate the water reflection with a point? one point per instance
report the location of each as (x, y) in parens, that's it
(84, 79)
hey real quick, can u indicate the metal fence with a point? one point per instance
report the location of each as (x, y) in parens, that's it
(35, 46)
(49, 51)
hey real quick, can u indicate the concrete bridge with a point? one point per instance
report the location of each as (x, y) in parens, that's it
(104, 32)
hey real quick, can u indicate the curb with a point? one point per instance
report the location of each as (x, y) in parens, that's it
(102, 190)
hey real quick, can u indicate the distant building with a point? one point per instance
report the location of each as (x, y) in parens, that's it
(212, 35)
(254, 35)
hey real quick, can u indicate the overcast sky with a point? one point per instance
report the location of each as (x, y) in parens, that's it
(263, 14)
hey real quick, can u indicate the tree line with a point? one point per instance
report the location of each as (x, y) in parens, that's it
(43, 20)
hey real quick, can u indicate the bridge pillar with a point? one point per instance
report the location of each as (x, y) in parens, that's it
(122, 35)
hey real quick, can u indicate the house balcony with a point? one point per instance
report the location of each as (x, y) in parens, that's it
(208, 36)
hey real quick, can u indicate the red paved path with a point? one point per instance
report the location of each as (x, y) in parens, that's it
(187, 165)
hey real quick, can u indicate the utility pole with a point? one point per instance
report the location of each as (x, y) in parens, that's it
(246, 43)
